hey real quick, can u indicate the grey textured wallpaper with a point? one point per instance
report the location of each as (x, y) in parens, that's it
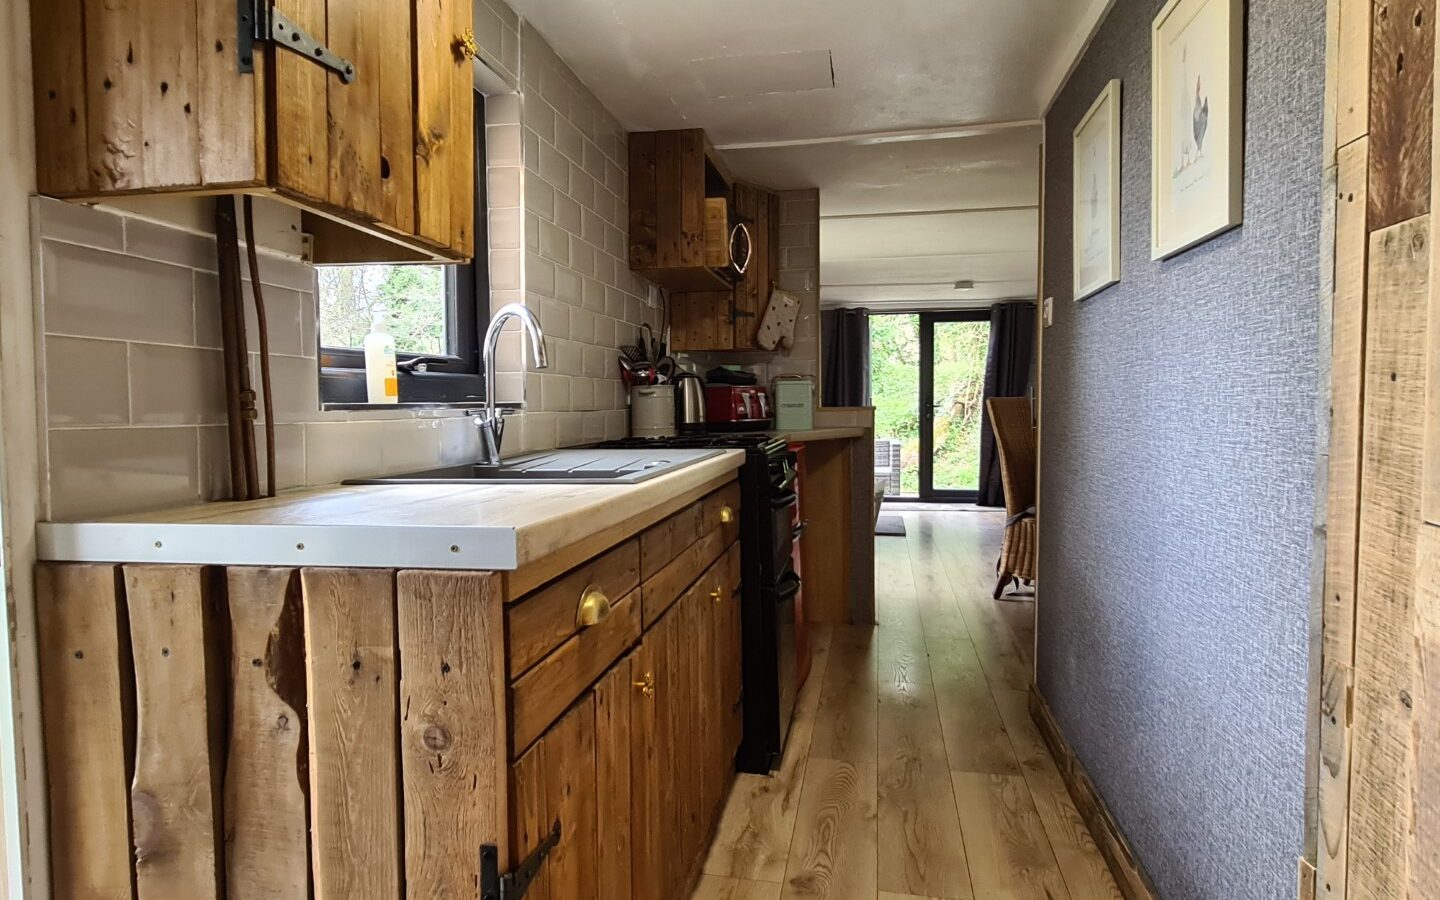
(1178, 478)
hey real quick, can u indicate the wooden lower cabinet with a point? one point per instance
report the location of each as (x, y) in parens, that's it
(352, 733)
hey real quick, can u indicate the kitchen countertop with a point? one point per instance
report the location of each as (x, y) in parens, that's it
(492, 527)
(820, 434)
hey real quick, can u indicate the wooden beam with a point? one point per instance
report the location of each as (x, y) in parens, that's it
(453, 734)
(267, 778)
(1347, 369)
(87, 691)
(1425, 832)
(1353, 75)
(350, 679)
(1381, 777)
(175, 798)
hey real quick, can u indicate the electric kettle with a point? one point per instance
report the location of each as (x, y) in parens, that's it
(689, 403)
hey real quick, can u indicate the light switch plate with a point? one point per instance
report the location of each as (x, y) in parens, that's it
(1048, 311)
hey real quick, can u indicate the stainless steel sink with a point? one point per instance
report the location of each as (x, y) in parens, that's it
(559, 467)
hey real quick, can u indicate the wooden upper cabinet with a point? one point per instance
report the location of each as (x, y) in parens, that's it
(139, 97)
(672, 176)
(730, 319)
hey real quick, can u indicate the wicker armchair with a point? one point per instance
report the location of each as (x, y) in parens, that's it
(1015, 442)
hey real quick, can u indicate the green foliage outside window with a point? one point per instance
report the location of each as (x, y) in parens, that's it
(410, 300)
(960, 353)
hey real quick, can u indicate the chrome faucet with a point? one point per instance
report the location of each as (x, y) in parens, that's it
(491, 425)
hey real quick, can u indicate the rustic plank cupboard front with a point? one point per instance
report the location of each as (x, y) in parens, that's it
(261, 732)
(137, 98)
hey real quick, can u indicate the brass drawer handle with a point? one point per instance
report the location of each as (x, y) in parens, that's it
(594, 607)
(646, 684)
(727, 514)
(465, 46)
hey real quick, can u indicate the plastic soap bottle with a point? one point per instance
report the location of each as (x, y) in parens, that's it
(382, 384)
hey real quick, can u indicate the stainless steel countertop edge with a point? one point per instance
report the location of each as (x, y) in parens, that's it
(485, 547)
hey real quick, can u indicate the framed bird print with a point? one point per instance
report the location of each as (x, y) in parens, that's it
(1197, 141)
(1096, 204)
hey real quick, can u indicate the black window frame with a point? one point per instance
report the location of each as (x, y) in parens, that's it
(455, 378)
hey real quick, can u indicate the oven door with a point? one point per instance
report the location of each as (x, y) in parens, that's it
(783, 597)
(781, 526)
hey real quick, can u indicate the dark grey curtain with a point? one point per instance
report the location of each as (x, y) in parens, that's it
(1007, 374)
(845, 334)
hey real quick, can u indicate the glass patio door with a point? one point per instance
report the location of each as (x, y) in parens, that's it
(953, 350)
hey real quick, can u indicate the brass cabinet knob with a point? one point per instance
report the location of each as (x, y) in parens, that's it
(727, 515)
(464, 45)
(594, 607)
(716, 594)
(646, 684)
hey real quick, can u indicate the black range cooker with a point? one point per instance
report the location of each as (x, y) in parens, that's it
(769, 587)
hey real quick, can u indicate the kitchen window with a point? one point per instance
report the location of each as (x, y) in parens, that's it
(437, 315)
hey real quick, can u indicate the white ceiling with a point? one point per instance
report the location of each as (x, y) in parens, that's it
(891, 109)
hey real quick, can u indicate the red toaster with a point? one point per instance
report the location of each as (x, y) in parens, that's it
(731, 407)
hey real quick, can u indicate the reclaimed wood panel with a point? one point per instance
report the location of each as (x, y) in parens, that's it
(669, 248)
(662, 543)
(1425, 836)
(1347, 371)
(267, 777)
(661, 591)
(114, 95)
(396, 67)
(434, 95)
(169, 78)
(453, 725)
(175, 795)
(1353, 71)
(1430, 499)
(1402, 94)
(353, 31)
(300, 110)
(650, 765)
(351, 683)
(543, 693)
(570, 799)
(86, 690)
(691, 151)
(62, 159)
(228, 106)
(529, 825)
(1381, 775)
(827, 488)
(644, 225)
(613, 737)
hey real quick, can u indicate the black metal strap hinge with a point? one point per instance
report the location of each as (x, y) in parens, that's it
(257, 21)
(512, 885)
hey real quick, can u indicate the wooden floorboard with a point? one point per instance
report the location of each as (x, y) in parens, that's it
(913, 771)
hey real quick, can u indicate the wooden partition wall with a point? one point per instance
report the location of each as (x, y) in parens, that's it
(259, 732)
(1379, 763)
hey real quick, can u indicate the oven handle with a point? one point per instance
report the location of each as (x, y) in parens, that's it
(788, 476)
(784, 501)
(789, 586)
(799, 530)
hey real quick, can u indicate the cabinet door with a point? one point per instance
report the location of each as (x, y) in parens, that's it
(349, 147)
(613, 740)
(556, 781)
(651, 827)
(444, 127)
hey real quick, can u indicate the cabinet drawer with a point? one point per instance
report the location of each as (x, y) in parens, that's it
(539, 696)
(662, 543)
(539, 623)
(670, 583)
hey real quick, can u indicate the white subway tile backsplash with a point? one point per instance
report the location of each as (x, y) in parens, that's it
(77, 224)
(503, 186)
(106, 471)
(96, 293)
(87, 381)
(151, 240)
(176, 385)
